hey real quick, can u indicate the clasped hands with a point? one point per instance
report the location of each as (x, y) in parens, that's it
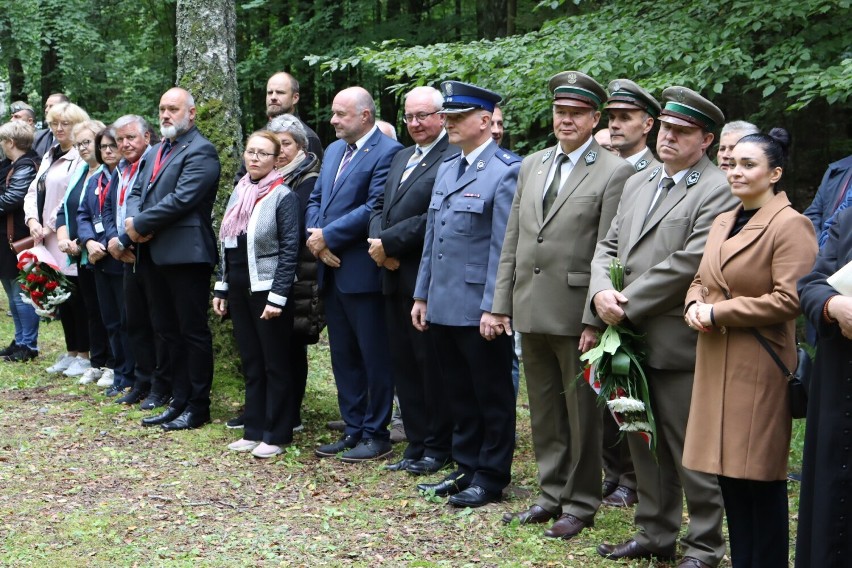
(377, 253)
(316, 244)
(698, 316)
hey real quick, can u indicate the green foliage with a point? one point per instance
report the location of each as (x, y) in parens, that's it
(787, 52)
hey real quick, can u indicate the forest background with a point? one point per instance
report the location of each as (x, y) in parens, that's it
(781, 63)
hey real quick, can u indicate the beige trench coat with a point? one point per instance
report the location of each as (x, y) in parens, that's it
(739, 420)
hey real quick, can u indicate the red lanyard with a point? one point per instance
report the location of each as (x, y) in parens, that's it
(125, 182)
(158, 163)
(101, 192)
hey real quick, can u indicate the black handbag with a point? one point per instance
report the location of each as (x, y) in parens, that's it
(798, 381)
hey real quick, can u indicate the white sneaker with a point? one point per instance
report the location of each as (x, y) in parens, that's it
(91, 374)
(107, 377)
(78, 367)
(61, 364)
(243, 445)
(264, 450)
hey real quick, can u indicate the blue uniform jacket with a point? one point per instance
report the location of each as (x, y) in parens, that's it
(465, 228)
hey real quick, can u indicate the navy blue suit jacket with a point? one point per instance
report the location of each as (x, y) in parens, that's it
(826, 196)
(177, 207)
(342, 207)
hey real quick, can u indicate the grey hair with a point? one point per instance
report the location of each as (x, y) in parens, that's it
(125, 120)
(292, 126)
(739, 126)
(437, 97)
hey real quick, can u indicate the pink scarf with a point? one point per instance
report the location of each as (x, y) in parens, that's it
(236, 218)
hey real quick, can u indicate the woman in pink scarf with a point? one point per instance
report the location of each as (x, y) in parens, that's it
(260, 243)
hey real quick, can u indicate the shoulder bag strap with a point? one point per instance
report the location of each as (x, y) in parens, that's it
(765, 344)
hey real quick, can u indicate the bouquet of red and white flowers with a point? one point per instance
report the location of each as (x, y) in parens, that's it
(614, 371)
(42, 284)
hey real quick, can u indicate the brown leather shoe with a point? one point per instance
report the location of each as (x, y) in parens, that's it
(690, 562)
(630, 549)
(608, 488)
(622, 497)
(534, 514)
(567, 527)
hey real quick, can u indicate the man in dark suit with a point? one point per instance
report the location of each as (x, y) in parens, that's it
(659, 233)
(454, 292)
(397, 226)
(350, 182)
(831, 197)
(169, 218)
(44, 138)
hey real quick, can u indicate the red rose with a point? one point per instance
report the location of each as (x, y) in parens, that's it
(41, 279)
(36, 294)
(51, 286)
(31, 277)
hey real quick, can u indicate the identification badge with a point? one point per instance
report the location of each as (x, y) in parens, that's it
(230, 242)
(99, 225)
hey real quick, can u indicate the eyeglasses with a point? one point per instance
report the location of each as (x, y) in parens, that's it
(54, 124)
(82, 144)
(257, 155)
(420, 116)
(111, 147)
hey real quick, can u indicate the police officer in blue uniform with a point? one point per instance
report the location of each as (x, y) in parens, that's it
(465, 227)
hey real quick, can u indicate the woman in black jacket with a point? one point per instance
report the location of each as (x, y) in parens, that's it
(21, 165)
(300, 169)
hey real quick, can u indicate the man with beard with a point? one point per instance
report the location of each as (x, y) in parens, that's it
(282, 96)
(146, 351)
(169, 218)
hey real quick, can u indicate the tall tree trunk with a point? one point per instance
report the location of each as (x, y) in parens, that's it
(206, 57)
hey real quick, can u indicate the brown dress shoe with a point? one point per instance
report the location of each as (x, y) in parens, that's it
(567, 527)
(622, 497)
(534, 514)
(608, 488)
(630, 549)
(690, 562)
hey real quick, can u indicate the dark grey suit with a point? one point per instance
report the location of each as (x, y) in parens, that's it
(399, 220)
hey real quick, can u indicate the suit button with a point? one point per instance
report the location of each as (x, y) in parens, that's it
(627, 271)
(443, 222)
(540, 239)
(537, 270)
(440, 239)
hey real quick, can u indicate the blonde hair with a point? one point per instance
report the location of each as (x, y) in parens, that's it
(66, 111)
(266, 135)
(19, 133)
(94, 126)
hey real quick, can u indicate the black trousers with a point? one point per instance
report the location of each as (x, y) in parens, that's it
(271, 412)
(99, 347)
(757, 522)
(617, 462)
(150, 351)
(72, 314)
(428, 421)
(110, 289)
(477, 377)
(298, 372)
(179, 296)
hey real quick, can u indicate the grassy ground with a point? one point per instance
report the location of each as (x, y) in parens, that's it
(83, 484)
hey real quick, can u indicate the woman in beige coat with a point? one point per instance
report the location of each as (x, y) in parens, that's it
(739, 421)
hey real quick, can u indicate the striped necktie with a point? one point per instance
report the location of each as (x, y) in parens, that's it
(412, 163)
(347, 157)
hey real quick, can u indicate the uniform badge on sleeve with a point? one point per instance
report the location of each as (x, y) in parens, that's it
(692, 179)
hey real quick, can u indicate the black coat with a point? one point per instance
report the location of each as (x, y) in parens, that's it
(399, 216)
(15, 182)
(825, 503)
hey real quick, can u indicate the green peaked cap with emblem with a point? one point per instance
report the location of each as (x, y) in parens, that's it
(685, 107)
(624, 93)
(576, 89)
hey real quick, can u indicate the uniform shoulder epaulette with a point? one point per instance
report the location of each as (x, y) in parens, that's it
(453, 157)
(507, 156)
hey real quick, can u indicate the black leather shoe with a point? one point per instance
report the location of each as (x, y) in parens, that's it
(608, 488)
(21, 354)
(631, 549)
(475, 496)
(367, 449)
(400, 465)
(9, 350)
(167, 415)
(154, 400)
(621, 497)
(331, 450)
(114, 391)
(187, 420)
(427, 465)
(135, 395)
(450, 485)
